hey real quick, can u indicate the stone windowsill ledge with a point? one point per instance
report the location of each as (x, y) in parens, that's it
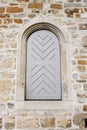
(44, 105)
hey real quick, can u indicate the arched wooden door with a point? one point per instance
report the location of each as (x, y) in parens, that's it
(43, 78)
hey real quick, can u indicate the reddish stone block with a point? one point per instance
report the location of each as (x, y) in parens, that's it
(14, 9)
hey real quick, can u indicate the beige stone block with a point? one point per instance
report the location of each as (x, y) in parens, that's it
(27, 123)
(31, 15)
(83, 76)
(83, 26)
(7, 63)
(1, 46)
(81, 68)
(57, 20)
(13, 44)
(2, 106)
(82, 96)
(8, 75)
(83, 51)
(80, 56)
(85, 86)
(5, 85)
(4, 98)
(64, 123)
(77, 86)
(9, 122)
(48, 122)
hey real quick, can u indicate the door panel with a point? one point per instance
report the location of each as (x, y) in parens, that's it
(43, 66)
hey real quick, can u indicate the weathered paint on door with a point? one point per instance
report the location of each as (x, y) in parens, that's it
(43, 80)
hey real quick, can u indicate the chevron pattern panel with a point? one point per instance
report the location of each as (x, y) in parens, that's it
(43, 66)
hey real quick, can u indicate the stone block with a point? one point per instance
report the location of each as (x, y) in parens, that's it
(73, 5)
(48, 122)
(77, 86)
(35, 5)
(81, 62)
(4, 15)
(69, 13)
(4, 26)
(81, 68)
(7, 63)
(85, 86)
(2, 10)
(7, 21)
(83, 76)
(85, 108)
(31, 15)
(14, 10)
(56, 6)
(70, 0)
(4, 97)
(75, 10)
(23, 0)
(81, 80)
(9, 122)
(64, 123)
(27, 123)
(80, 56)
(13, 4)
(18, 21)
(84, 41)
(81, 96)
(0, 21)
(78, 0)
(10, 105)
(77, 15)
(82, 26)
(5, 85)
(8, 75)
(83, 51)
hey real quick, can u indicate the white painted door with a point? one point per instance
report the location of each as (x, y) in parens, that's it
(43, 66)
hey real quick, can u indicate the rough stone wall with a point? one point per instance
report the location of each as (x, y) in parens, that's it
(14, 14)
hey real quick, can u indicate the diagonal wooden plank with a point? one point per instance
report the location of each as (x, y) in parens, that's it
(34, 67)
(48, 41)
(49, 72)
(49, 53)
(33, 57)
(34, 51)
(38, 41)
(43, 38)
(35, 73)
(49, 46)
(39, 86)
(37, 47)
(50, 87)
(52, 67)
(37, 78)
